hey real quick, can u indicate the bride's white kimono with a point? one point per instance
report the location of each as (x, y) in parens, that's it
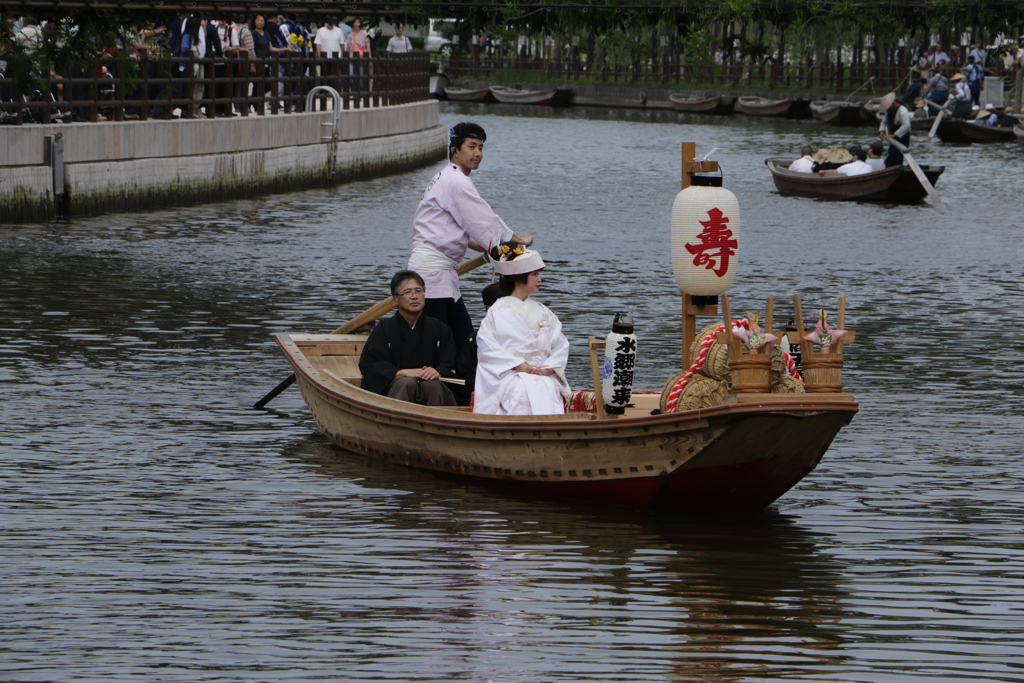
(514, 332)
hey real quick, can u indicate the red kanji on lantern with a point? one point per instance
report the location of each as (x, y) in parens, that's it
(716, 244)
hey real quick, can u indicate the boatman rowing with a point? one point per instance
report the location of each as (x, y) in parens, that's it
(895, 124)
(451, 217)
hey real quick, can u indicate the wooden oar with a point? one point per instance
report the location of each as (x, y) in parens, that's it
(381, 308)
(938, 120)
(922, 178)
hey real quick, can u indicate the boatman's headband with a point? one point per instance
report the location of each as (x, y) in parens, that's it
(452, 135)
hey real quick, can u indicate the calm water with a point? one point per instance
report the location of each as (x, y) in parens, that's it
(154, 527)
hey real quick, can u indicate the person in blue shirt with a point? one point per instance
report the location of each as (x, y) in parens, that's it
(975, 74)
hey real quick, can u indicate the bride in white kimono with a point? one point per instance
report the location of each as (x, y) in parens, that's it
(521, 349)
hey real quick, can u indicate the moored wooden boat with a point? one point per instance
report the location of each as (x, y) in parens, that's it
(1019, 132)
(549, 96)
(954, 130)
(695, 104)
(742, 455)
(841, 113)
(897, 184)
(762, 106)
(468, 94)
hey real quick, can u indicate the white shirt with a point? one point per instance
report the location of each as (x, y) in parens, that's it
(856, 167)
(803, 165)
(876, 164)
(228, 35)
(450, 213)
(399, 45)
(902, 121)
(330, 40)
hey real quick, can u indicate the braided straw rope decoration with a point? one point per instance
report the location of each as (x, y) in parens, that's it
(679, 382)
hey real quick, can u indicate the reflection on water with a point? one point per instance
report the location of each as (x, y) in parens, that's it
(156, 528)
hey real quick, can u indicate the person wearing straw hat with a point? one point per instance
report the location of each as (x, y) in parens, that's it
(895, 124)
(521, 351)
(451, 218)
(961, 97)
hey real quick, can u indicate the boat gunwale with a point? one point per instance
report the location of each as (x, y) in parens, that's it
(982, 133)
(383, 406)
(830, 180)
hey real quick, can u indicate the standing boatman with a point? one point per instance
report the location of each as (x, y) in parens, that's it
(451, 217)
(896, 125)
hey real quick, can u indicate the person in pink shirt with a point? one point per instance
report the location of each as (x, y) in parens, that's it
(451, 218)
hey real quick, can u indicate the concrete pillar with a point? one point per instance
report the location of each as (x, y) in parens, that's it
(53, 156)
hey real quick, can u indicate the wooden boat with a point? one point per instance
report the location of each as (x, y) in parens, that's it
(895, 184)
(841, 113)
(468, 94)
(694, 104)
(762, 106)
(1019, 132)
(955, 130)
(550, 96)
(742, 455)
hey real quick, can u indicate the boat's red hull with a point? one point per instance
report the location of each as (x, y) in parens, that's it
(746, 486)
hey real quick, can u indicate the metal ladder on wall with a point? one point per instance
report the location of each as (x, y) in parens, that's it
(332, 137)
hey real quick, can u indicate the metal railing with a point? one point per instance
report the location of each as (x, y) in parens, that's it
(188, 88)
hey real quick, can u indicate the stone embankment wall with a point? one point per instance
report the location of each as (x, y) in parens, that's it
(128, 166)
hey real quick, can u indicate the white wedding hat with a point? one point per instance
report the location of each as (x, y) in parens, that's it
(527, 263)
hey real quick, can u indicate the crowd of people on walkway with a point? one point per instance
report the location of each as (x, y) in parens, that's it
(220, 39)
(956, 82)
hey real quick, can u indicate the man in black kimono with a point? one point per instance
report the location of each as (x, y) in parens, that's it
(406, 355)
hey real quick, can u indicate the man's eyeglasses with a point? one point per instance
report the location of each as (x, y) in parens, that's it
(409, 292)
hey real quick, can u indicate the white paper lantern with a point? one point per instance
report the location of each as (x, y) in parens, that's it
(619, 364)
(705, 237)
